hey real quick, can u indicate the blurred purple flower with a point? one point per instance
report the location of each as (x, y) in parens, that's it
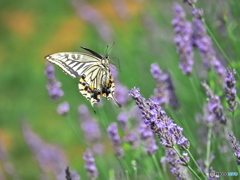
(183, 39)
(6, 165)
(90, 129)
(204, 45)
(121, 8)
(49, 157)
(115, 139)
(71, 175)
(155, 117)
(63, 108)
(148, 139)
(91, 15)
(90, 164)
(129, 134)
(53, 85)
(89, 125)
(164, 92)
(121, 91)
(175, 164)
(123, 119)
(235, 146)
(230, 89)
(213, 110)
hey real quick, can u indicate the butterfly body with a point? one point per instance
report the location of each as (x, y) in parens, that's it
(93, 71)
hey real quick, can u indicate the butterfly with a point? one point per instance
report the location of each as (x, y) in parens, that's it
(92, 69)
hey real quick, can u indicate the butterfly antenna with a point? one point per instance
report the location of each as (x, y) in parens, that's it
(106, 51)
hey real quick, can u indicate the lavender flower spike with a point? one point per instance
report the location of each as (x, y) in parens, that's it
(175, 164)
(183, 39)
(204, 45)
(230, 89)
(213, 109)
(53, 85)
(169, 133)
(116, 141)
(164, 92)
(90, 165)
(235, 146)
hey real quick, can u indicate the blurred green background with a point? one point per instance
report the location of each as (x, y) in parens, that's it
(143, 34)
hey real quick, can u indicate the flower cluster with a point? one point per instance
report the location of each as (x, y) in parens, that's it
(183, 39)
(164, 92)
(204, 45)
(148, 139)
(213, 109)
(53, 85)
(235, 146)
(175, 164)
(230, 89)
(90, 164)
(155, 117)
(116, 141)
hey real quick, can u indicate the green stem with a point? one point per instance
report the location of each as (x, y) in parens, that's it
(194, 89)
(188, 166)
(191, 156)
(207, 161)
(157, 166)
(216, 42)
(76, 131)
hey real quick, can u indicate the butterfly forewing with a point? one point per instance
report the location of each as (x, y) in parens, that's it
(95, 76)
(73, 63)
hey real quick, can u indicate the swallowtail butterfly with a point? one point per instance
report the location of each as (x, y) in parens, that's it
(93, 71)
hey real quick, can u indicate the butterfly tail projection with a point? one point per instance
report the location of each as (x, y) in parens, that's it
(111, 96)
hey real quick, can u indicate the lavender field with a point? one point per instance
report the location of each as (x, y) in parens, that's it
(175, 66)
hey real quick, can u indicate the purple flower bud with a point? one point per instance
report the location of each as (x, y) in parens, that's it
(115, 139)
(230, 89)
(183, 39)
(63, 108)
(90, 164)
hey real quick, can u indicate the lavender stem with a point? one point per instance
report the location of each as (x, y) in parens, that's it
(207, 161)
(191, 156)
(157, 166)
(76, 131)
